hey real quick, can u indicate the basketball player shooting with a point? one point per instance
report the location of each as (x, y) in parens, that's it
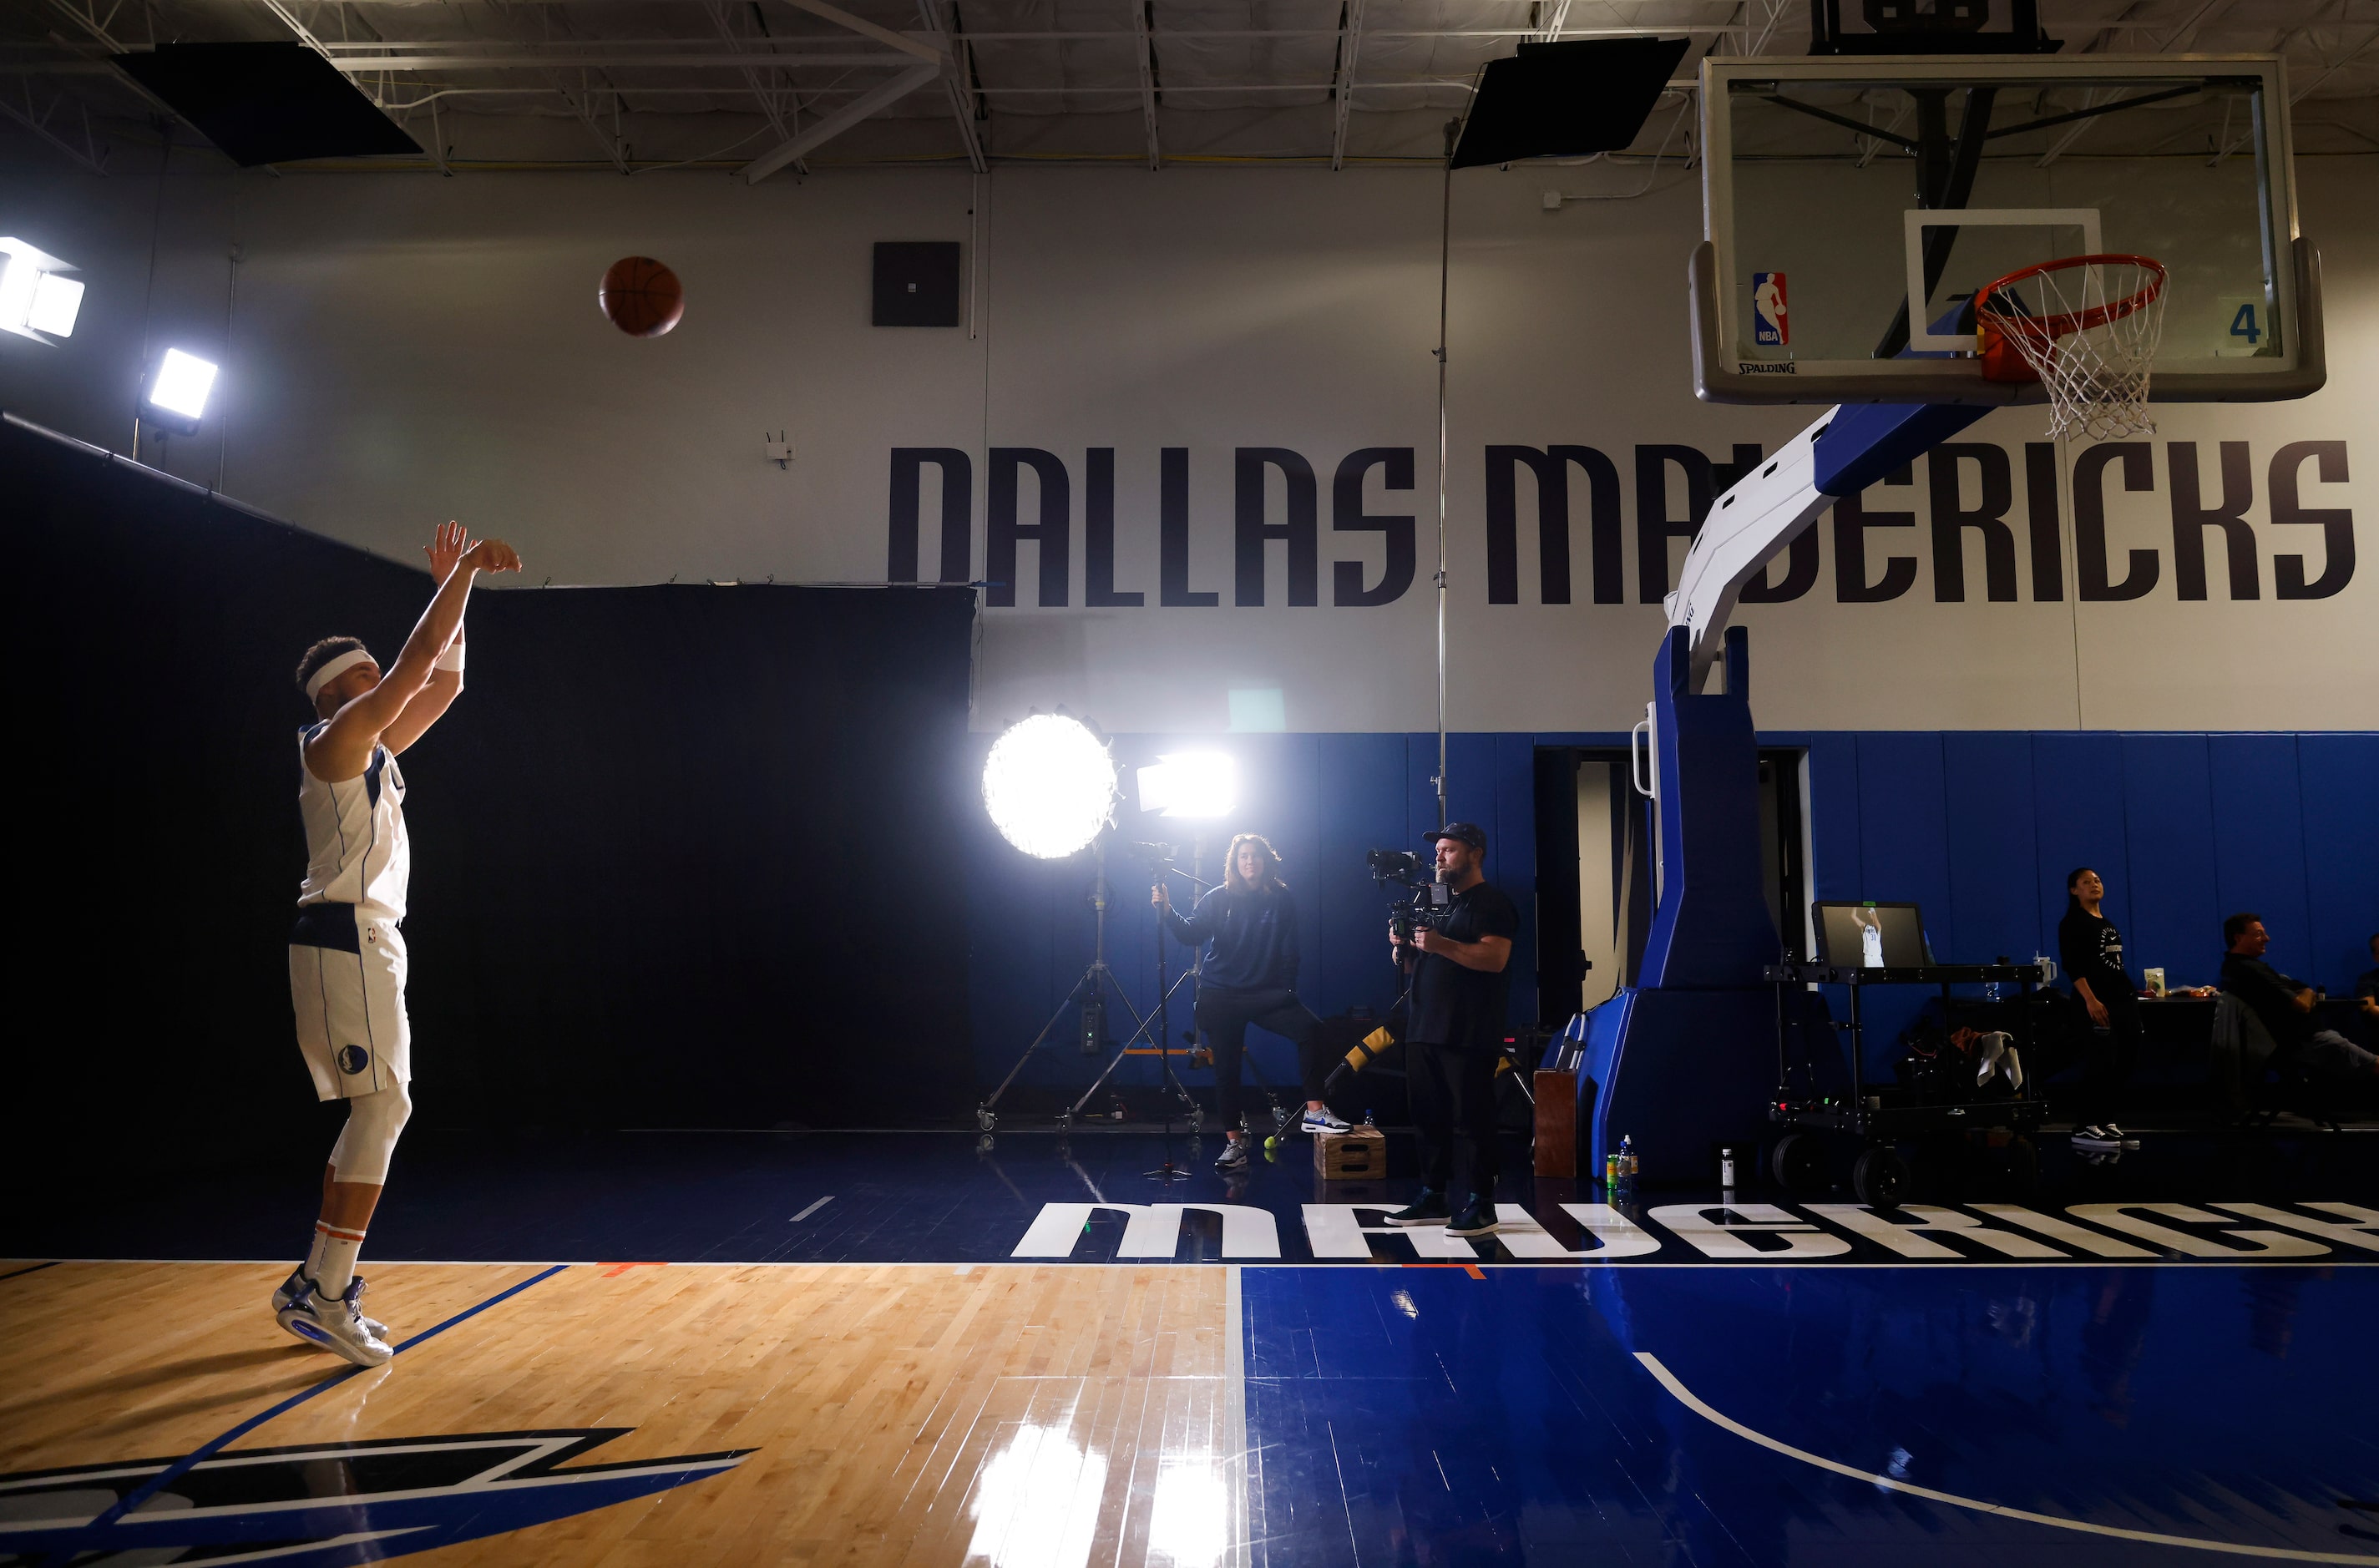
(346, 956)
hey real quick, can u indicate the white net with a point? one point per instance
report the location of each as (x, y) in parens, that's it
(2088, 329)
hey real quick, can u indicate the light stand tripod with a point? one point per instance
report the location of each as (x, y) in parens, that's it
(1090, 995)
(1167, 1171)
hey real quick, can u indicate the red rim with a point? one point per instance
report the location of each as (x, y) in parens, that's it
(2054, 327)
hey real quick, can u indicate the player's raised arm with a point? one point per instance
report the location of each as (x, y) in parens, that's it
(445, 683)
(344, 748)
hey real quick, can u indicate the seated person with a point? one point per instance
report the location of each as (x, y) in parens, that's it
(2284, 1005)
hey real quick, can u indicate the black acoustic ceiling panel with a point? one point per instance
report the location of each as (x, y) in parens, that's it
(267, 103)
(1566, 100)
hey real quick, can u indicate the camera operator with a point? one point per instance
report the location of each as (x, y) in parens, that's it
(1248, 976)
(1455, 1028)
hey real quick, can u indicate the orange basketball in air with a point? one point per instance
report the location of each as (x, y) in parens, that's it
(643, 297)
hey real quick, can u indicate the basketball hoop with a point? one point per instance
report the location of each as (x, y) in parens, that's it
(2091, 344)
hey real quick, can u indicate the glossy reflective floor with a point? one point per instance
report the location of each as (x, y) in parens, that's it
(907, 1348)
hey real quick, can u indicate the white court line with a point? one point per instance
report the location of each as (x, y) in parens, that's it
(1492, 1264)
(1687, 1397)
(814, 1207)
(1234, 1420)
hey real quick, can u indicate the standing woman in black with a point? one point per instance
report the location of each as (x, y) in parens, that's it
(1248, 976)
(2091, 950)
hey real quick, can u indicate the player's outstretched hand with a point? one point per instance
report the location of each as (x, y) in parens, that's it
(445, 549)
(493, 555)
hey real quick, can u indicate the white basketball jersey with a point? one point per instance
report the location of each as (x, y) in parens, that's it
(355, 849)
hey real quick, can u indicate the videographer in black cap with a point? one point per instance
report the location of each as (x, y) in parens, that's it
(1455, 1032)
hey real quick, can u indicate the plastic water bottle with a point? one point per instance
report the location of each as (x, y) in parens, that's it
(1367, 1120)
(1626, 1166)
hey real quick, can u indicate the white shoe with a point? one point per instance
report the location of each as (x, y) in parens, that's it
(2122, 1140)
(335, 1325)
(297, 1282)
(2092, 1136)
(1323, 1121)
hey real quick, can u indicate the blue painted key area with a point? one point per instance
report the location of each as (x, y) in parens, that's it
(1421, 1416)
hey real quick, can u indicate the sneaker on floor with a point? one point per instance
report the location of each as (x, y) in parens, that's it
(1478, 1218)
(336, 1324)
(1234, 1156)
(1323, 1121)
(2091, 1135)
(2122, 1140)
(1428, 1208)
(297, 1282)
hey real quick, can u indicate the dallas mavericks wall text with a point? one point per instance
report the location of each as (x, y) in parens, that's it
(1569, 504)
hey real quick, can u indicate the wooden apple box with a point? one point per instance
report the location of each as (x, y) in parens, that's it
(1361, 1155)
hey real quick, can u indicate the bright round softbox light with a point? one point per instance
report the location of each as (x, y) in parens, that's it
(1050, 785)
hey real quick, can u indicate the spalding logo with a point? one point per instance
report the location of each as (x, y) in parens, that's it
(354, 1058)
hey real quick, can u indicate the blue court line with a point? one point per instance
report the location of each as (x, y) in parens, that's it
(207, 1449)
(36, 1269)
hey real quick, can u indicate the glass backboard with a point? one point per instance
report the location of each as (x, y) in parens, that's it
(1838, 191)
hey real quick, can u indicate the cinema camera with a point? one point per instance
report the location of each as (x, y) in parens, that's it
(1423, 901)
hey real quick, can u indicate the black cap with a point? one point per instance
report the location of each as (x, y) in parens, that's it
(1468, 833)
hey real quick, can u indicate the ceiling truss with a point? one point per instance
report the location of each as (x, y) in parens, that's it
(651, 81)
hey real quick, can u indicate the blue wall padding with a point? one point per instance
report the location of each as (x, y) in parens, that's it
(1979, 826)
(2169, 805)
(1987, 819)
(2077, 798)
(2259, 853)
(2339, 776)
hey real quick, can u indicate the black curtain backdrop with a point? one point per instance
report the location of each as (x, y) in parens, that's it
(684, 856)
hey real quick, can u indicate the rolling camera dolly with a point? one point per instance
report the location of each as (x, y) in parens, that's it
(1878, 1119)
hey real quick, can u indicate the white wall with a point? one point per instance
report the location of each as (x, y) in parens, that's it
(405, 349)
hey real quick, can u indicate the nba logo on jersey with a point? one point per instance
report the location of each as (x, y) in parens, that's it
(1769, 327)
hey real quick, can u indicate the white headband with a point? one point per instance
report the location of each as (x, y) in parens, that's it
(334, 669)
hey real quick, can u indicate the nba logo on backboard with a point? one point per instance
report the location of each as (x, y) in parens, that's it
(1769, 327)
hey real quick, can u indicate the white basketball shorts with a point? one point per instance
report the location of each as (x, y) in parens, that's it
(346, 982)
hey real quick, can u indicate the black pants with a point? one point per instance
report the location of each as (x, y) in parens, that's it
(1224, 1014)
(2108, 1056)
(1453, 1100)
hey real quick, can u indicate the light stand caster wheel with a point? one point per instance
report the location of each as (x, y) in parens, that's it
(985, 1120)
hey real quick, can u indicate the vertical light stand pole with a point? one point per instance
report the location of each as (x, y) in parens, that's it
(1445, 269)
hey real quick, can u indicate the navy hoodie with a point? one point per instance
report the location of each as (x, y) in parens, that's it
(1251, 938)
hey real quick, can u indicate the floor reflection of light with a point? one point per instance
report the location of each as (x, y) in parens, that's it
(1190, 1520)
(1037, 1503)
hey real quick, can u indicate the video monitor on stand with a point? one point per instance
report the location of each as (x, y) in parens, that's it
(1871, 936)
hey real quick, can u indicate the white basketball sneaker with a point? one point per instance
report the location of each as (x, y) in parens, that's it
(336, 1325)
(297, 1282)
